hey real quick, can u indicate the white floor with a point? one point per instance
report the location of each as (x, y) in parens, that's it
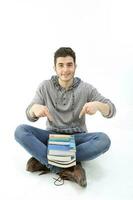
(109, 177)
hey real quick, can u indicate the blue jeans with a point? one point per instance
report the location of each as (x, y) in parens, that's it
(34, 140)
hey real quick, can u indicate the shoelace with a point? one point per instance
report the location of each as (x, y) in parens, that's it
(58, 181)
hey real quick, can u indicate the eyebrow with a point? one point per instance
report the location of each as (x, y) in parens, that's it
(70, 63)
(66, 63)
(60, 63)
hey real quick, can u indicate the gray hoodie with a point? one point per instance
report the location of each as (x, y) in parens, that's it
(65, 105)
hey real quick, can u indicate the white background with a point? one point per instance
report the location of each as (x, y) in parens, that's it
(101, 33)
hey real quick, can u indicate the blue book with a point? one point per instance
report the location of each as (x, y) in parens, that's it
(59, 147)
(60, 139)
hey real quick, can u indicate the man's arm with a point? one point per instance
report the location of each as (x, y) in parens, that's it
(92, 107)
(97, 102)
(104, 108)
(30, 114)
(38, 99)
(104, 105)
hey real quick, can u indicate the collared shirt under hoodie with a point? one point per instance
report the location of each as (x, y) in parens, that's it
(66, 105)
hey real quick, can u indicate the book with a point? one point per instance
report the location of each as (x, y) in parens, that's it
(59, 158)
(61, 147)
(60, 153)
(61, 150)
(69, 142)
(60, 136)
(58, 142)
(61, 164)
(73, 158)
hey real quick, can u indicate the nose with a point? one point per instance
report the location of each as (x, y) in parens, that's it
(65, 68)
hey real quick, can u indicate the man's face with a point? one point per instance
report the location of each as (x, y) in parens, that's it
(65, 68)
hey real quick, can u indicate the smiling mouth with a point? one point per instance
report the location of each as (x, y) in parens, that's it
(65, 74)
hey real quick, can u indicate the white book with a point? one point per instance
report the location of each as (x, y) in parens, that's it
(61, 164)
(65, 162)
(59, 158)
(61, 153)
(59, 136)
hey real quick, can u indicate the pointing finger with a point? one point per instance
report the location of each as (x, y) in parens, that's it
(49, 116)
(82, 112)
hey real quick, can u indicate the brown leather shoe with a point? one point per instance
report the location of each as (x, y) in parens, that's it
(34, 165)
(76, 174)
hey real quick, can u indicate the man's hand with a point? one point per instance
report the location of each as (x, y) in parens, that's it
(40, 111)
(89, 108)
(92, 107)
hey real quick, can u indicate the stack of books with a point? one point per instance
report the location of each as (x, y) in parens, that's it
(61, 150)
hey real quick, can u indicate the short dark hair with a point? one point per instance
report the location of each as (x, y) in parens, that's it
(63, 52)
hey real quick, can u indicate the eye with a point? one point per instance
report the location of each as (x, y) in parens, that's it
(69, 64)
(60, 65)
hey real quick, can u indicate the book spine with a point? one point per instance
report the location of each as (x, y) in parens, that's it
(59, 158)
(62, 165)
(60, 135)
(59, 147)
(61, 153)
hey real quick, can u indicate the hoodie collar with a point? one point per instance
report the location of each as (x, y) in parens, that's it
(55, 81)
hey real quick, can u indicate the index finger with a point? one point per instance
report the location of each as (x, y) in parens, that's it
(49, 116)
(82, 112)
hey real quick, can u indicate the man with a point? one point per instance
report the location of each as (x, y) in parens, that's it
(64, 100)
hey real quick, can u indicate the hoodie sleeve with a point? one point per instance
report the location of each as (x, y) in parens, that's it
(38, 99)
(94, 95)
